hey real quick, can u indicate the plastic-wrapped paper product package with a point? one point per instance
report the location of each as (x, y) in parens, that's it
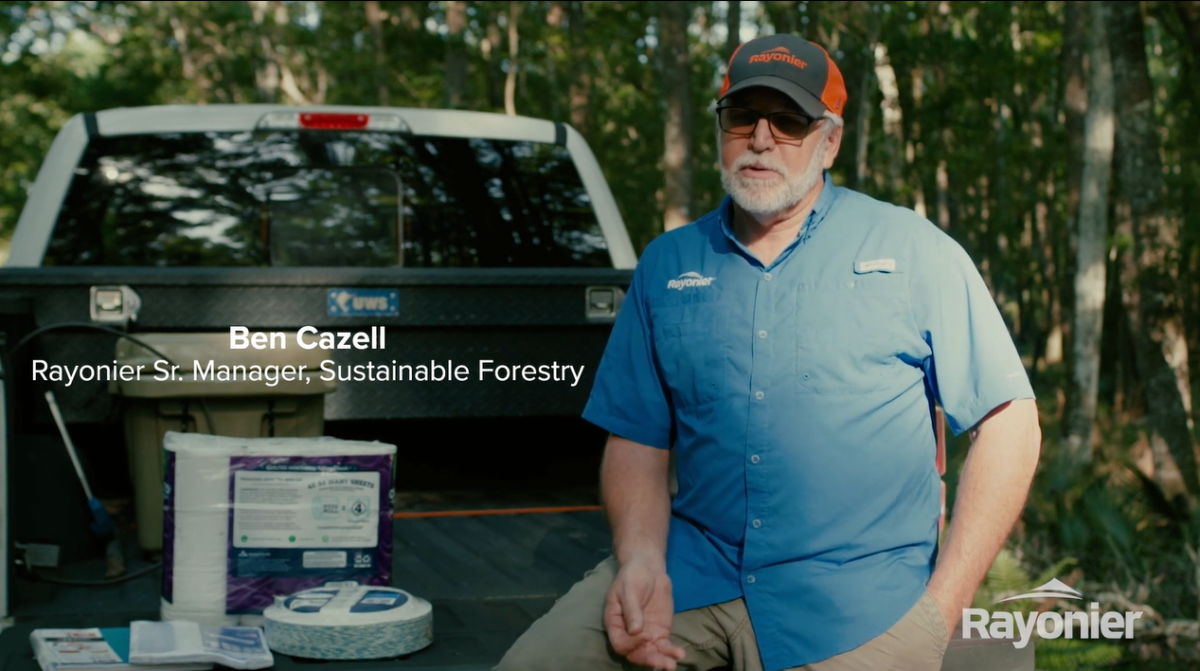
(249, 519)
(345, 620)
(178, 642)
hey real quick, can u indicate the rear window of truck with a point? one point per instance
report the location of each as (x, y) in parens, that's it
(325, 198)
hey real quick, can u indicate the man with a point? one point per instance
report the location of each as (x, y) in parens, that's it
(790, 347)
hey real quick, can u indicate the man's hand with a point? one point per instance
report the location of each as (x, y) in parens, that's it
(638, 616)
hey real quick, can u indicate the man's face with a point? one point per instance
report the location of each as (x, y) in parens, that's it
(766, 176)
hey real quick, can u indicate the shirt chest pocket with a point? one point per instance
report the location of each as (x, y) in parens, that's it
(849, 335)
(691, 348)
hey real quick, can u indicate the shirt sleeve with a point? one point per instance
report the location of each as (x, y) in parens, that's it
(629, 398)
(974, 366)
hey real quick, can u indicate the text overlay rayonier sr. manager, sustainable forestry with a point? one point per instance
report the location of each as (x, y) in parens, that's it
(310, 337)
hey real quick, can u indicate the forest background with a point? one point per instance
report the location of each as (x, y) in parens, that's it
(1057, 141)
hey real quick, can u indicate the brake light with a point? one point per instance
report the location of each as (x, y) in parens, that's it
(333, 121)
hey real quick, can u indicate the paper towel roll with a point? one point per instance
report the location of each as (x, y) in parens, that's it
(349, 621)
(308, 510)
(169, 612)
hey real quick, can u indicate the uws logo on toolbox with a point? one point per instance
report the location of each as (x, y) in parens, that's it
(692, 279)
(1084, 624)
(363, 302)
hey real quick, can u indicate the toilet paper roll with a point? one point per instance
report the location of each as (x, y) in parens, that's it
(349, 621)
(303, 511)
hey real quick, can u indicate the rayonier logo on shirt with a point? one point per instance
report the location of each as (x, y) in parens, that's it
(1087, 623)
(689, 280)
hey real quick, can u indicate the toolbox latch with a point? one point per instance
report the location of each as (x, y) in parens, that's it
(114, 305)
(603, 303)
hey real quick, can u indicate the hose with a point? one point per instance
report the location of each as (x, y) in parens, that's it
(106, 329)
(6, 356)
(30, 574)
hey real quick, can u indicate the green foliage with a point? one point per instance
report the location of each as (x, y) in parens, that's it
(1007, 577)
(1110, 526)
(1060, 654)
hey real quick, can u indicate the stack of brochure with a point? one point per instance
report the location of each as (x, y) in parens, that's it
(91, 650)
(151, 646)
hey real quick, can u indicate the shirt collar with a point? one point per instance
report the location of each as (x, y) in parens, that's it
(815, 217)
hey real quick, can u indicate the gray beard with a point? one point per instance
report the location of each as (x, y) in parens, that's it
(761, 200)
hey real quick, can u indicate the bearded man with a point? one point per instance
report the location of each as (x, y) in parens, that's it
(790, 348)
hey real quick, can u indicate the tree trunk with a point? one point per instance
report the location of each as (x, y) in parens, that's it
(733, 28)
(510, 84)
(1092, 252)
(1158, 324)
(1074, 98)
(893, 116)
(812, 26)
(1189, 16)
(375, 23)
(489, 47)
(781, 14)
(266, 70)
(862, 171)
(915, 139)
(556, 53)
(862, 166)
(1046, 235)
(943, 195)
(581, 72)
(677, 91)
(456, 54)
(1130, 357)
(179, 30)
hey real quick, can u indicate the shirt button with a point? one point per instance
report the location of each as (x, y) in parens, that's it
(762, 334)
(767, 277)
(757, 523)
(750, 579)
(759, 395)
(754, 459)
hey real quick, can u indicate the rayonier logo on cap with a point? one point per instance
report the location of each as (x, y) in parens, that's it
(778, 54)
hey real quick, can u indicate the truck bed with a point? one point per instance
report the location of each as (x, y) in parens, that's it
(489, 576)
(489, 573)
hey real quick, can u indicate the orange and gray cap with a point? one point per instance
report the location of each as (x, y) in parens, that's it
(799, 69)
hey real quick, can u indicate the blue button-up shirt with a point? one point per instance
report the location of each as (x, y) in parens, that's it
(799, 398)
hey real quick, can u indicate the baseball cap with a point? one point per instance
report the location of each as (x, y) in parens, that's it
(799, 69)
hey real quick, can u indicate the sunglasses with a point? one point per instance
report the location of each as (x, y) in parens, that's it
(785, 126)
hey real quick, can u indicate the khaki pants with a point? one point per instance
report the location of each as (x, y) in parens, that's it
(572, 636)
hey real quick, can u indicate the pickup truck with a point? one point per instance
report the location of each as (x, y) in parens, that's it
(478, 243)
(445, 238)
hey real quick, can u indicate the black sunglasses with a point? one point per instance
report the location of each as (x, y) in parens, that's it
(784, 125)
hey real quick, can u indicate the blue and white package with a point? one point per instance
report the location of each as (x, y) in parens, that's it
(347, 620)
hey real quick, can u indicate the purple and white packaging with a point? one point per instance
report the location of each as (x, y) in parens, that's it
(248, 519)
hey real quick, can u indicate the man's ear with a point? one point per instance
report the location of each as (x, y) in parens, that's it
(834, 144)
